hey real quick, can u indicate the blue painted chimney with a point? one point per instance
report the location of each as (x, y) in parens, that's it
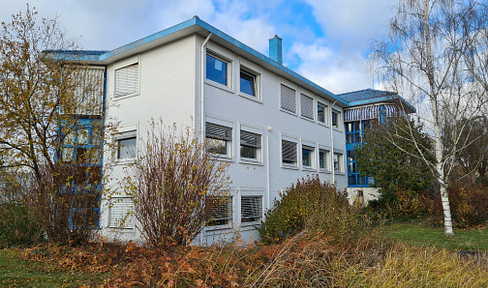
(276, 49)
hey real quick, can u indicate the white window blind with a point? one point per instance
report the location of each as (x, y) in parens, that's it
(215, 131)
(249, 139)
(251, 208)
(119, 213)
(289, 152)
(127, 80)
(288, 99)
(307, 107)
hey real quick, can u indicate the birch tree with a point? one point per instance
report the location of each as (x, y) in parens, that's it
(424, 57)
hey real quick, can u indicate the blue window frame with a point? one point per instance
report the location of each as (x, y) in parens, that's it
(354, 137)
(216, 70)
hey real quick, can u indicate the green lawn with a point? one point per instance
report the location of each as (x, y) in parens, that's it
(15, 272)
(422, 235)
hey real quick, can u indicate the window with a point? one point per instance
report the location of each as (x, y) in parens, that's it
(288, 99)
(218, 139)
(322, 113)
(221, 210)
(120, 215)
(338, 162)
(336, 121)
(251, 208)
(353, 132)
(308, 156)
(323, 159)
(250, 145)
(126, 145)
(127, 81)
(307, 107)
(248, 83)
(217, 70)
(288, 152)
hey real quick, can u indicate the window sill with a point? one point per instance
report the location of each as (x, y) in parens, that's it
(251, 98)
(223, 158)
(247, 226)
(322, 124)
(125, 161)
(307, 119)
(125, 96)
(219, 86)
(289, 112)
(121, 229)
(340, 173)
(288, 166)
(325, 171)
(246, 161)
(310, 169)
(337, 129)
(218, 228)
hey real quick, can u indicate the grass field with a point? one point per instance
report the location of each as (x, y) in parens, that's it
(15, 272)
(423, 235)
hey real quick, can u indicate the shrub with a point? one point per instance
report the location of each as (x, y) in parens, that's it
(469, 204)
(172, 183)
(18, 226)
(314, 206)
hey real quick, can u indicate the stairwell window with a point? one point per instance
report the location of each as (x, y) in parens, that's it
(127, 81)
(217, 69)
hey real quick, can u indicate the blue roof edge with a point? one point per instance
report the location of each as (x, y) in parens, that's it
(381, 99)
(198, 22)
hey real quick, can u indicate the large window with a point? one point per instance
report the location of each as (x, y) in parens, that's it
(251, 208)
(308, 156)
(221, 210)
(250, 145)
(307, 107)
(82, 144)
(289, 152)
(322, 113)
(218, 139)
(353, 132)
(288, 99)
(217, 70)
(248, 83)
(127, 81)
(126, 145)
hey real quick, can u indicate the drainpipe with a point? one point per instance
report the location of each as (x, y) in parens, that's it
(202, 116)
(332, 143)
(267, 169)
(202, 87)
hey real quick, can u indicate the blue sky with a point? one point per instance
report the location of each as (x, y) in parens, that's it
(324, 40)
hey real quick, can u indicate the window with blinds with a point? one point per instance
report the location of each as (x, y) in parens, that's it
(251, 208)
(288, 152)
(221, 210)
(250, 145)
(120, 212)
(307, 107)
(127, 81)
(288, 99)
(218, 138)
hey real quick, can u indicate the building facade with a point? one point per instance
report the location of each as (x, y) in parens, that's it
(271, 124)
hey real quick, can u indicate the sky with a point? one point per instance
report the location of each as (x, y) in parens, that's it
(326, 41)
